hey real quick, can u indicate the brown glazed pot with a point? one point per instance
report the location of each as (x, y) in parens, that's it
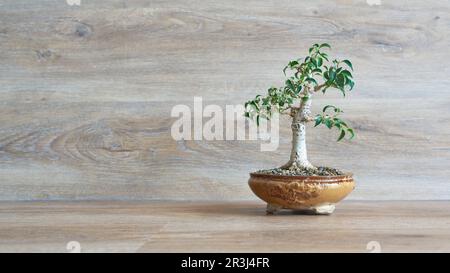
(308, 194)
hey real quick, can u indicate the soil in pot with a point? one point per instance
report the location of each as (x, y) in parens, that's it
(302, 171)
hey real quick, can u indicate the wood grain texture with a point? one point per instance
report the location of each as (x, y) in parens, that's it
(398, 226)
(86, 94)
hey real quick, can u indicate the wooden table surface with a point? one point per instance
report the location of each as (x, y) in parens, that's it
(394, 226)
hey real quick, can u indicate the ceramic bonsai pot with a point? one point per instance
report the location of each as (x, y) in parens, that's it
(307, 194)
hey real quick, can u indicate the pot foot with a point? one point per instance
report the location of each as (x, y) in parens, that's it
(325, 209)
(271, 209)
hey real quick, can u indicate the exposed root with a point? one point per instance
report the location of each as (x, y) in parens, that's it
(296, 165)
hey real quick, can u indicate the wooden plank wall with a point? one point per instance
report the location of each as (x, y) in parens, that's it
(86, 93)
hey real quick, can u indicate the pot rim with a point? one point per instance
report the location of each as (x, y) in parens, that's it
(308, 177)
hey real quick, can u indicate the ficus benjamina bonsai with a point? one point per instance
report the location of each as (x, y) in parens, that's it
(305, 77)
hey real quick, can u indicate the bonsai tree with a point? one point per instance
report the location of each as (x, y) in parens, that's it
(305, 78)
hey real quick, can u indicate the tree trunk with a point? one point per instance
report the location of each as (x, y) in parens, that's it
(299, 157)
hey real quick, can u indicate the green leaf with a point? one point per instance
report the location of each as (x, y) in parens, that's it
(337, 121)
(272, 91)
(340, 80)
(350, 130)
(325, 45)
(311, 80)
(318, 120)
(293, 63)
(343, 123)
(247, 114)
(347, 62)
(347, 74)
(329, 123)
(332, 75)
(328, 106)
(342, 135)
(315, 46)
(319, 61)
(350, 83)
(253, 103)
(316, 70)
(324, 55)
(290, 84)
(257, 120)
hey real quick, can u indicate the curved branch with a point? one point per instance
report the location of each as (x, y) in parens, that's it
(319, 87)
(308, 118)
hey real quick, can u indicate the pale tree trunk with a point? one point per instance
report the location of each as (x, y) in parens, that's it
(299, 156)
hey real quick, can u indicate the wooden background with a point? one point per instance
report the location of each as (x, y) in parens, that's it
(86, 93)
